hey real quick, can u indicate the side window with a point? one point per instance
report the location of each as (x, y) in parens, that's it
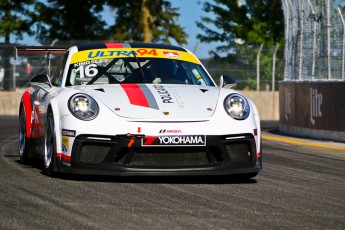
(57, 77)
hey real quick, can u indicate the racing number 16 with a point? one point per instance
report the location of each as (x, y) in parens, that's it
(90, 70)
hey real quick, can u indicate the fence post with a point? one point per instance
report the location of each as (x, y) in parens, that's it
(274, 66)
(328, 15)
(287, 38)
(343, 51)
(258, 68)
(314, 40)
(301, 53)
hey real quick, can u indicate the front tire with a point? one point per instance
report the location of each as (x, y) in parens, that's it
(49, 146)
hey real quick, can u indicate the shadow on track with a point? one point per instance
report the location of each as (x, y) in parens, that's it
(223, 179)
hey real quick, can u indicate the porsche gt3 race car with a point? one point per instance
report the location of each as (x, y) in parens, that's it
(136, 109)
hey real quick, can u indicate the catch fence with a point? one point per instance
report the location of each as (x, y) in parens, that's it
(314, 40)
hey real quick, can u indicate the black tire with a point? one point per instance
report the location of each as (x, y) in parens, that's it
(49, 146)
(23, 141)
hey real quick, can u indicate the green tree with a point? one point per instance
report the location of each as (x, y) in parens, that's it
(14, 20)
(67, 20)
(146, 21)
(241, 27)
(254, 23)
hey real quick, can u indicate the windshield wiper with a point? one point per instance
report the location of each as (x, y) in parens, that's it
(142, 75)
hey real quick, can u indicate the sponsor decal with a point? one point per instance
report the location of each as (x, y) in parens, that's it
(140, 95)
(121, 53)
(114, 51)
(315, 105)
(171, 54)
(170, 131)
(64, 148)
(65, 144)
(69, 133)
(163, 93)
(174, 140)
(89, 62)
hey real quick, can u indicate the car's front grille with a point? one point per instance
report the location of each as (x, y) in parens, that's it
(240, 151)
(233, 149)
(93, 153)
(169, 157)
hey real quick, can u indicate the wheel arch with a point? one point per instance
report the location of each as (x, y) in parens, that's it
(54, 109)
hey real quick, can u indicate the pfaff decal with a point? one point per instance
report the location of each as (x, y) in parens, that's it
(163, 93)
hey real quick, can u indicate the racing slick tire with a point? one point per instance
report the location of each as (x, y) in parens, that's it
(23, 142)
(49, 146)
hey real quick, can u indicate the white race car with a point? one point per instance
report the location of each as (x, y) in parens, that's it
(136, 109)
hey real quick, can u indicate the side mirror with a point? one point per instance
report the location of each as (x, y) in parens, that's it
(41, 78)
(227, 82)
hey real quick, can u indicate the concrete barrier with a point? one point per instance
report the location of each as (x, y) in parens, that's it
(9, 102)
(313, 109)
(266, 102)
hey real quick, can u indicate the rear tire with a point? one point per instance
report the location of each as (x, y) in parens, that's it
(23, 141)
(49, 146)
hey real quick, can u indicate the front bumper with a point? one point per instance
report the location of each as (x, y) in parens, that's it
(129, 155)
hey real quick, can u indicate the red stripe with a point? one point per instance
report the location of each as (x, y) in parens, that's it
(63, 157)
(149, 140)
(135, 95)
(28, 111)
(113, 45)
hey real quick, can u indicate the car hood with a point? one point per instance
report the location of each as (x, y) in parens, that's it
(161, 101)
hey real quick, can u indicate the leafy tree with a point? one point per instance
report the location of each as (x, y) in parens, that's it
(254, 23)
(69, 20)
(140, 20)
(146, 21)
(13, 20)
(241, 27)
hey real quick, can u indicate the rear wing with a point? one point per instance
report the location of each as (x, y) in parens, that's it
(40, 50)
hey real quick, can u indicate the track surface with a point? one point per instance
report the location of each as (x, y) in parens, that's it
(300, 188)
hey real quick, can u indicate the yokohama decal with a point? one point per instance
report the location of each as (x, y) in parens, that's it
(178, 140)
(140, 95)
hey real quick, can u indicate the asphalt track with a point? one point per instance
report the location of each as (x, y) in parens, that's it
(302, 186)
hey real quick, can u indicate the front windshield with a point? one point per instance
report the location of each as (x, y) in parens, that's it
(137, 70)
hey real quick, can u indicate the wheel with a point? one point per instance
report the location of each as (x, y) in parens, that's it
(49, 146)
(23, 150)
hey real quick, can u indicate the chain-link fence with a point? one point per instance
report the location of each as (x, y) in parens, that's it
(314, 39)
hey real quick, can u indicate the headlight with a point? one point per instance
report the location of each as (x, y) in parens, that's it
(83, 107)
(237, 106)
